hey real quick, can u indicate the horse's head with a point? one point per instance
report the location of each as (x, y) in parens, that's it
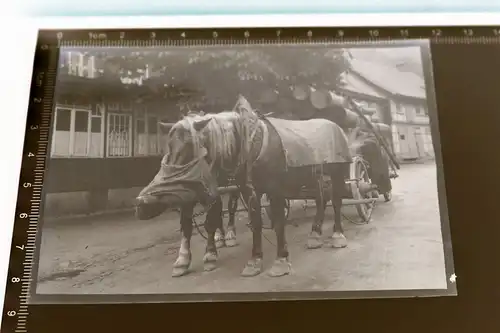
(196, 147)
(184, 140)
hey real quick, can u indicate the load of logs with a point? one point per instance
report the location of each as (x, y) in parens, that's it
(313, 101)
(333, 106)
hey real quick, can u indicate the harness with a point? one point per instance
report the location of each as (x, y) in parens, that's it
(247, 149)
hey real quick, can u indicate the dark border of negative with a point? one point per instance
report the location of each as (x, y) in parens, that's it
(451, 289)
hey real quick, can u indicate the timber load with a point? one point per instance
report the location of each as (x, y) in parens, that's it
(311, 102)
(322, 103)
(346, 113)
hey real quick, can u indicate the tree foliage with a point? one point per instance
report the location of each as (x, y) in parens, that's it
(214, 74)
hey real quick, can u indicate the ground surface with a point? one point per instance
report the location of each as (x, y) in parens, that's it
(400, 249)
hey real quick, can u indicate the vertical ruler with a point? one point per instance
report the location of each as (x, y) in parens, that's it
(22, 255)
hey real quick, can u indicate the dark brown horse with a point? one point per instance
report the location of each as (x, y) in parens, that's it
(204, 149)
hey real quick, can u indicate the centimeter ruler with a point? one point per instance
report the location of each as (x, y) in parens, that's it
(259, 36)
(20, 280)
(25, 237)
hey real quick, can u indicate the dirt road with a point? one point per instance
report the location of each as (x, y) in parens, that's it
(400, 249)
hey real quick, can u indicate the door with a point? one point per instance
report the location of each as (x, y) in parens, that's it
(403, 142)
(419, 141)
(412, 142)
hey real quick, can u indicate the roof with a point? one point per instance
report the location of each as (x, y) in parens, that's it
(390, 78)
(355, 84)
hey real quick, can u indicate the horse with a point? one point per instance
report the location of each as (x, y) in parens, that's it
(246, 144)
(222, 239)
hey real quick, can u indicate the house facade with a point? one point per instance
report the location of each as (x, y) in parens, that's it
(106, 143)
(103, 123)
(399, 98)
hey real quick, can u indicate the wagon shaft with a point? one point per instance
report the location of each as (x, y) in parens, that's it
(345, 202)
(375, 132)
(354, 202)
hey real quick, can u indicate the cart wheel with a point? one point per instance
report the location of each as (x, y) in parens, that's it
(359, 171)
(267, 209)
(388, 196)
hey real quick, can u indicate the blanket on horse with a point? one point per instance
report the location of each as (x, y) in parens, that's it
(312, 142)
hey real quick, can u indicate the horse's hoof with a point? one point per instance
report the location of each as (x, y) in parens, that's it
(219, 240)
(280, 267)
(180, 271)
(231, 242)
(314, 241)
(252, 268)
(183, 260)
(231, 238)
(338, 240)
(210, 261)
(209, 266)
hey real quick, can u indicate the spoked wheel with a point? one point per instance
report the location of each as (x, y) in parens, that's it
(267, 210)
(359, 172)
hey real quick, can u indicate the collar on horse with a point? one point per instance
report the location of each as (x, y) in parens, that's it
(258, 128)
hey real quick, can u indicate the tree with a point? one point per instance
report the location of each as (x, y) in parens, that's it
(216, 75)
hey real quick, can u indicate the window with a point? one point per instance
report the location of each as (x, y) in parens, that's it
(78, 132)
(410, 111)
(399, 114)
(400, 109)
(80, 64)
(147, 134)
(421, 111)
(63, 119)
(119, 135)
(75, 63)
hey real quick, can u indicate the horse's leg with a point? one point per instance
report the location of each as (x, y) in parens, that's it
(232, 204)
(181, 265)
(254, 265)
(314, 240)
(338, 239)
(219, 233)
(282, 264)
(213, 222)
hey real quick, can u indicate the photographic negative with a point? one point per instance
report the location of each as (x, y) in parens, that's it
(244, 172)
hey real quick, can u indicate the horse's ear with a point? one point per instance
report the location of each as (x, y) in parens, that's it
(166, 126)
(200, 124)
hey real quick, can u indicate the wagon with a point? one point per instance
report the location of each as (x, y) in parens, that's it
(361, 191)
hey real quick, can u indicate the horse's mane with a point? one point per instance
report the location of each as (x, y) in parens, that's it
(221, 132)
